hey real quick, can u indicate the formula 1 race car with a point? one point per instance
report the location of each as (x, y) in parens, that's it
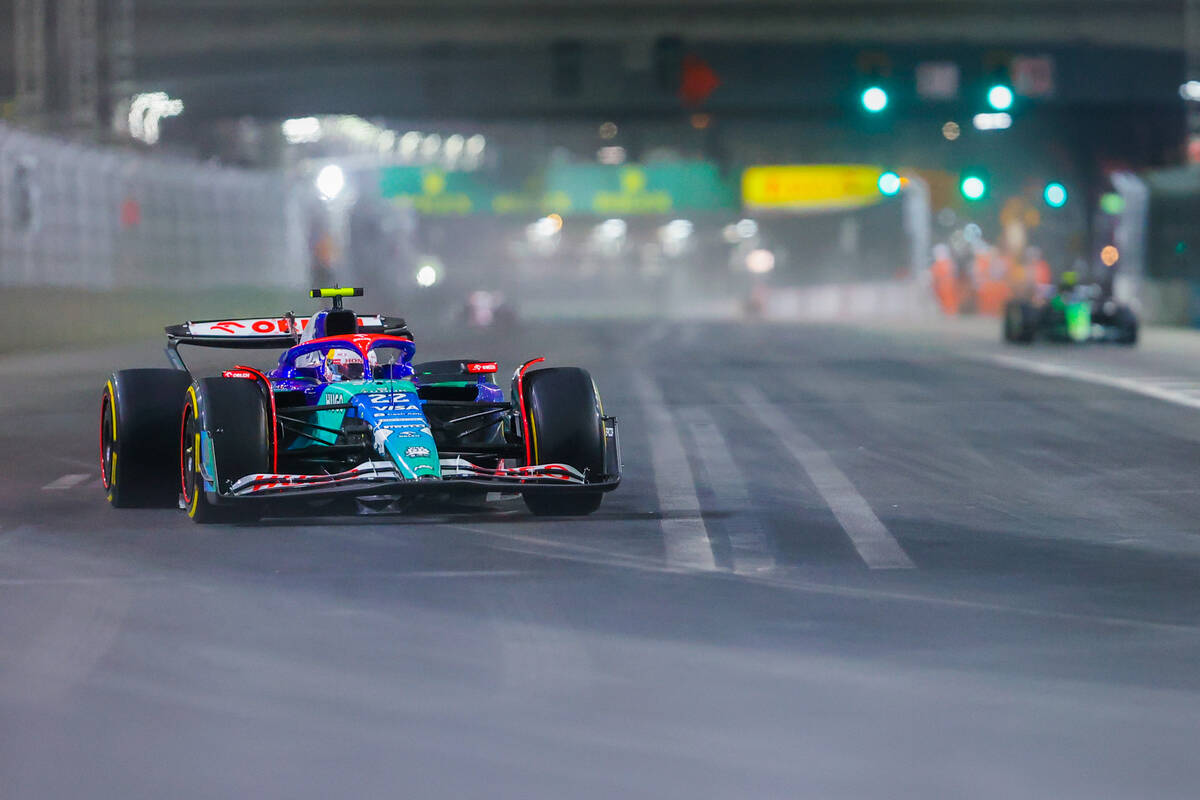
(347, 416)
(1072, 314)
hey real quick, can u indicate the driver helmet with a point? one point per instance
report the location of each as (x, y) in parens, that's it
(342, 365)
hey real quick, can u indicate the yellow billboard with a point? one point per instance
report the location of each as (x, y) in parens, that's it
(810, 187)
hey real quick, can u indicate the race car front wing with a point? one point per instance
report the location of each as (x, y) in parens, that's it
(381, 477)
(459, 474)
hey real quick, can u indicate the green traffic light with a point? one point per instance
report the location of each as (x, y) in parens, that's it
(874, 99)
(1000, 97)
(973, 187)
(889, 184)
(1055, 195)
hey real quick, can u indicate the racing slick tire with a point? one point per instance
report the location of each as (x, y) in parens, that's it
(1020, 322)
(235, 415)
(1126, 323)
(563, 421)
(139, 423)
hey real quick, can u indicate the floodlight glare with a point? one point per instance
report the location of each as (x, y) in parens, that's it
(330, 181)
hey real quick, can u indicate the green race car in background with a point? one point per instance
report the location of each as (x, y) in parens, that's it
(1073, 314)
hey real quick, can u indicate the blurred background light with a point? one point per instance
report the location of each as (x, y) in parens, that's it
(992, 122)
(611, 155)
(1190, 91)
(1000, 97)
(430, 145)
(760, 261)
(746, 228)
(453, 149)
(973, 187)
(1110, 255)
(874, 99)
(303, 130)
(678, 229)
(410, 143)
(330, 181)
(889, 184)
(1055, 195)
(608, 130)
(1112, 203)
(427, 275)
(674, 236)
(951, 131)
(612, 228)
(545, 227)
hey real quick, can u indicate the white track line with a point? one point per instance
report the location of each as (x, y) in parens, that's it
(67, 481)
(748, 541)
(874, 543)
(685, 535)
(1142, 386)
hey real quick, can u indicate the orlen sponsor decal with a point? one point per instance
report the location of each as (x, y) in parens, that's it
(263, 327)
(482, 367)
(244, 327)
(238, 373)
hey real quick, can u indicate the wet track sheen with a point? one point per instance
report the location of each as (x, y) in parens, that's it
(843, 564)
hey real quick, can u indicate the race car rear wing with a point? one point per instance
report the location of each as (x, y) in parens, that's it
(266, 333)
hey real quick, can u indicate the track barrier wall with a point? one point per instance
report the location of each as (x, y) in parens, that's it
(103, 244)
(92, 218)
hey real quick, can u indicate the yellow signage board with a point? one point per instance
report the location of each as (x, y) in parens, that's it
(810, 187)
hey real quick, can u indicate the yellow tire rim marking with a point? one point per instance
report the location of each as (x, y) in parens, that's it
(196, 489)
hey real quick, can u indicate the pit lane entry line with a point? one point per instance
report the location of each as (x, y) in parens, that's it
(685, 536)
(873, 541)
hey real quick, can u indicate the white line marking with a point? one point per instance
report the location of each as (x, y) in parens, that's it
(98, 580)
(1135, 385)
(749, 542)
(438, 574)
(782, 580)
(67, 481)
(552, 548)
(874, 543)
(685, 535)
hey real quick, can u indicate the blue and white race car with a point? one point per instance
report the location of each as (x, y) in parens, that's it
(346, 414)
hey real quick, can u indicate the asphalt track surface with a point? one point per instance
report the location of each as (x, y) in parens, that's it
(844, 563)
